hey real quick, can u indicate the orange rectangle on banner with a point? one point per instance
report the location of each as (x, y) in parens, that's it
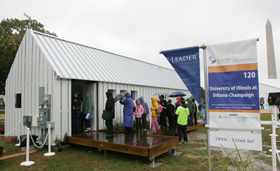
(238, 111)
(230, 68)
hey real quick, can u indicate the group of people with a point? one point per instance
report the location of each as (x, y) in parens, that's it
(79, 111)
(164, 114)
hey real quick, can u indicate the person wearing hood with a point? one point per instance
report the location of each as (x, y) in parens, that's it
(163, 113)
(146, 112)
(191, 107)
(128, 114)
(87, 109)
(139, 110)
(110, 106)
(154, 111)
(178, 102)
(182, 121)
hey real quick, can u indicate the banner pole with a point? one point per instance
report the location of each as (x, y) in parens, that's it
(206, 104)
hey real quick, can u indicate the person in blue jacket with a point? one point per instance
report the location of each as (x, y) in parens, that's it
(128, 114)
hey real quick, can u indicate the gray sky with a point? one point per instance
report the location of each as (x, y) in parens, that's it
(140, 29)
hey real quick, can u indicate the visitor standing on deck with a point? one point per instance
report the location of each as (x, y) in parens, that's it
(110, 107)
(87, 110)
(146, 112)
(139, 110)
(163, 113)
(155, 113)
(191, 110)
(76, 112)
(128, 113)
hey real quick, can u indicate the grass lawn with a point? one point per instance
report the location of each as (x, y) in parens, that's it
(194, 157)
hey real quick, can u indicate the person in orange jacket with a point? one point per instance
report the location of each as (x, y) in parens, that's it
(155, 114)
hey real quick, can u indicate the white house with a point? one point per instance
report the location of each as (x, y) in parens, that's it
(62, 67)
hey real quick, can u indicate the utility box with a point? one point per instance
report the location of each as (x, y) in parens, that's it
(27, 120)
(44, 116)
(51, 123)
(34, 121)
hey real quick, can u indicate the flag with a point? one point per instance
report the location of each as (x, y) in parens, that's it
(185, 61)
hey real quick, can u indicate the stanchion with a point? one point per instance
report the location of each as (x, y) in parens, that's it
(18, 144)
(49, 153)
(27, 162)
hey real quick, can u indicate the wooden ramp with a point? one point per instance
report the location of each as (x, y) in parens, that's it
(140, 143)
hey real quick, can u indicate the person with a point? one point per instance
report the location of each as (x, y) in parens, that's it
(154, 112)
(202, 113)
(159, 111)
(139, 110)
(128, 114)
(163, 113)
(110, 106)
(146, 112)
(76, 112)
(183, 114)
(191, 110)
(87, 109)
(178, 102)
(194, 112)
(170, 115)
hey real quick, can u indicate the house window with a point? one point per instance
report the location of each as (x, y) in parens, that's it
(134, 95)
(18, 100)
(113, 92)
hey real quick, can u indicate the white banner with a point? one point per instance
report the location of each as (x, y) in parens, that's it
(234, 95)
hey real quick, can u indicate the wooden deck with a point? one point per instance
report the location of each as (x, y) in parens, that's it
(2, 126)
(140, 144)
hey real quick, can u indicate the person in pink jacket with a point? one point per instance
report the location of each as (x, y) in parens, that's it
(138, 112)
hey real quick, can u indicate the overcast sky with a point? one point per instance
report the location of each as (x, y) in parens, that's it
(140, 29)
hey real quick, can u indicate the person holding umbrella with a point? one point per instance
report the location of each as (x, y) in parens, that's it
(128, 113)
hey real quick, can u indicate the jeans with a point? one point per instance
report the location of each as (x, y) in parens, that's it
(155, 125)
(144, 121)
(76, 122)
(138, 123)
(182, 132)
(109, 125)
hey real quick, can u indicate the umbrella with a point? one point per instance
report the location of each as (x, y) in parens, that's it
(119, 96)
(177, 93)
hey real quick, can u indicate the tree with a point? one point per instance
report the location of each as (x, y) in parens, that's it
(11, 34)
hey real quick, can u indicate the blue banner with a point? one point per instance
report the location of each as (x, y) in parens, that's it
(185, 61)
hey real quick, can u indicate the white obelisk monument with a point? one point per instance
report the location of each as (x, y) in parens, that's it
(271, 65)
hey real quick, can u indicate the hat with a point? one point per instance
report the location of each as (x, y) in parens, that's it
(158, 100)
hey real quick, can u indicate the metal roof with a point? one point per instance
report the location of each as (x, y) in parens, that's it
(75, 61)
(275, 83)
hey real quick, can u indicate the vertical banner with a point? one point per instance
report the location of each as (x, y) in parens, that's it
(234, 95)
(185, 61)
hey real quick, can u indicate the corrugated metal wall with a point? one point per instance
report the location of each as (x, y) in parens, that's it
(146, 92)
(30, 71)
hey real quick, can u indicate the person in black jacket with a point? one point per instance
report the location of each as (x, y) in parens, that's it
(110, 106)
(170, 114)
(194, 112)
(163, 113)
(76, 113)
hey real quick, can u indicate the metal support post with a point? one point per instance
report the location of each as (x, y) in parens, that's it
(207, 104)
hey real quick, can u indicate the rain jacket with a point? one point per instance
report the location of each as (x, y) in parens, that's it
(110, 104)
(128, 111)
(145, 105)
(88, 104)
(139, 110)
(154, 107)
(191, 107)
(183, 113)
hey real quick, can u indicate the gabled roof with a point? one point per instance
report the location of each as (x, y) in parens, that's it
(275, 83)
(75, 61)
